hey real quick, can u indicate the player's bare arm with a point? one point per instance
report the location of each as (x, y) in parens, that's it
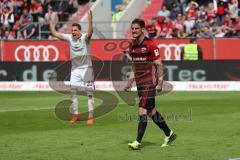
(53, 30)
(90, 25)
(159, 67)
(131, 79)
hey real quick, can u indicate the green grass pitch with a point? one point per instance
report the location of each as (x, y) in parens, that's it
(207, 125)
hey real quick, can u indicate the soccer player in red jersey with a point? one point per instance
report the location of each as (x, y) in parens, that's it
(148, 73)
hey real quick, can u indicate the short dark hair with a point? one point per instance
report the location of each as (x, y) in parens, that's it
(139, 21)
(77, 25)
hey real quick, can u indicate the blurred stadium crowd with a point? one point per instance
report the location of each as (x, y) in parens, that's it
(198, 18)
(22, 19)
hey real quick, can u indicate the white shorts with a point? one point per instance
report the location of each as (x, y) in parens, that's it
(82, 78)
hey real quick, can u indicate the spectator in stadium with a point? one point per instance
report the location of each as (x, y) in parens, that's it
(169, 3)
(211, 12)
(18, 8)
(72, 6)
(179, 22)
(189, 24)
(24, 18)
(192, 51)
(182, 5)
(51, 14)
(202, 13)
(229, 32)
(180, 33)
(45, 5)
(44, 28)
(194, 32)
(214, 31)
(237, 26)
(164, 12)
(213, 23)
(153, 28)
(61, 8)
(220, 32)
(201, 22)
(54, 18)
(26, 4)
(192, 9)
(175, 11)
(233, 9)
(205, 2)
(16, 28)
(222, 9)
(30, 31)
(35, 9)
(7, 18)
(22, 9)
(167, 28)
(228, 22)
(9, 35)
(1, 31)
(205, 32)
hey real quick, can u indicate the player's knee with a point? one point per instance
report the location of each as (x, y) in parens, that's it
(89, 86)
(142, 111)
(152, 112)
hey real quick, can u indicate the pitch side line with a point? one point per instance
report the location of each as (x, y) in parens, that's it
(30, 109)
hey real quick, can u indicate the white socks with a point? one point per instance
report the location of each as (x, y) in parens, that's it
(75, 104)
(90, 107)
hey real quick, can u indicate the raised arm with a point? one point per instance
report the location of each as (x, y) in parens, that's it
(53, 30)
(90, 25)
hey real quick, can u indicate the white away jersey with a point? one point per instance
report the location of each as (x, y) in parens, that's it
(79, 51)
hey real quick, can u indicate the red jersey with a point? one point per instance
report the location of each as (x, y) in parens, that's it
(35, 6)
(166, 26)
(211, 14)
(228, 23)
(192, 12)
(152, 30)
(221, 6)
(143, 56)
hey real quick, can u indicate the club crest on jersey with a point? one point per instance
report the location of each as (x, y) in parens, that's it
(143, 50)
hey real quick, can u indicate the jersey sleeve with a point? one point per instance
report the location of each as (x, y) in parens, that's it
(66, 37)
(84, 36)
(154, 50)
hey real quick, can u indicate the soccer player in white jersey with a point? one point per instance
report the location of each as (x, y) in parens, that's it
(82, 71)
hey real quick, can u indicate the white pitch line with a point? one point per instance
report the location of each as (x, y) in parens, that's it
(33, 109)
(29, 109)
